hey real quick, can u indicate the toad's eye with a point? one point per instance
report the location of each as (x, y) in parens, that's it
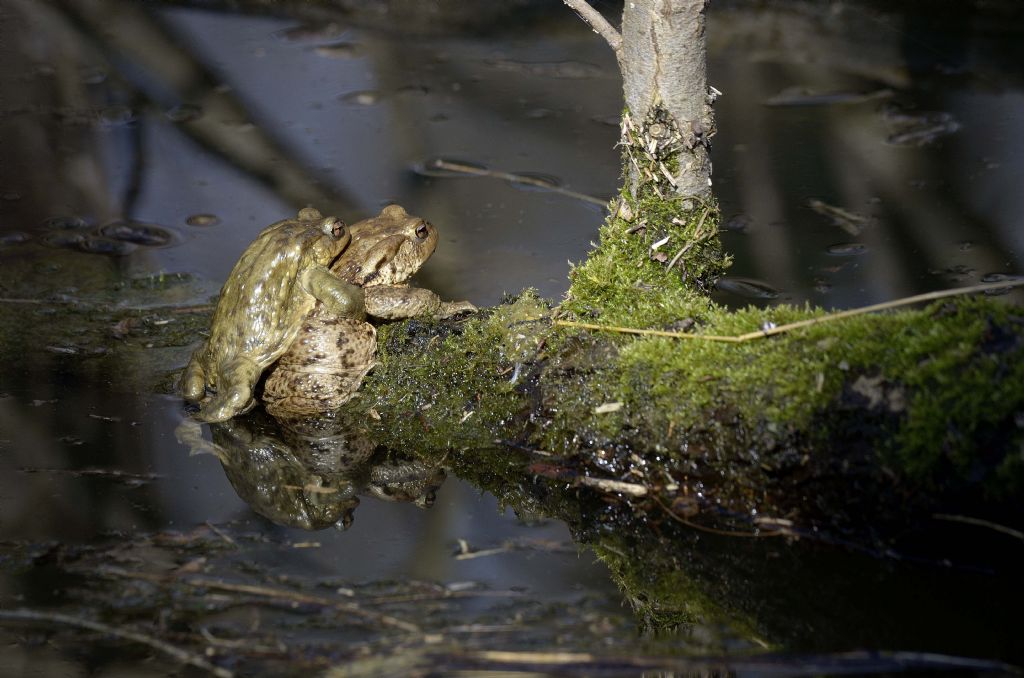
(421, 230)
(333, 226)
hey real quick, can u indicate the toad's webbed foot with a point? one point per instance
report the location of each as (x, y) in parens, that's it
(449, 308)
(193, 379)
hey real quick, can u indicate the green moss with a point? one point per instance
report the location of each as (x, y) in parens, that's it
(659, 253)
(627, 281)
(936, 379)
(944, 373)
(470, 384)
(664, 595)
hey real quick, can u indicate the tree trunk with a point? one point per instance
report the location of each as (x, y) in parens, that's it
(664, 74)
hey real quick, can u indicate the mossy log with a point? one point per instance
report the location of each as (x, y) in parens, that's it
(848, 430)
(767, 483)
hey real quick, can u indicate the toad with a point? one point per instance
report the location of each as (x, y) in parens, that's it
(332, 354)
(278, 281)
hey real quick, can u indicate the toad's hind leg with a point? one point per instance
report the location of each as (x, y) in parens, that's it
(234, 396)
(193, 379)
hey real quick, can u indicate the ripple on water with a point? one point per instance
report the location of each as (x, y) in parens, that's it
(1000, 277)
(183, 113)
(92, 75)
(412, 90)
(117, 116)
(366, 97)
(202, 220)
(567, 70)
(137, 233)
(738, 223)
(748, 288)
(14, 238)
(112, 248)
(310, 32)
(847, 249)
(66, 223)
(339, 50)
(62, 239)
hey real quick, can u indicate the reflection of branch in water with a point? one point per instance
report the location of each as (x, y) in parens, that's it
(978, 522)
(136, 167)
(522, 179)
(509, 545)
(220, 533)
(166, 75)
(123, 634)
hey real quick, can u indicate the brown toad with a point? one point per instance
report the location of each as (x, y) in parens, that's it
(327, 362)
(276, 284)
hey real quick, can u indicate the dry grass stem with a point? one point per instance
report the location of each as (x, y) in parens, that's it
(781, 329)
(607, 485)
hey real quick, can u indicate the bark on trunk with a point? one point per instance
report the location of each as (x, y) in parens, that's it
(664, 66)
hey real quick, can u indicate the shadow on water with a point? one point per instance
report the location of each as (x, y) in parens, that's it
(864, 153)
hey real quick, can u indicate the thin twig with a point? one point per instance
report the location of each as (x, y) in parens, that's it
(696, 236)
(168, 649)
(712, 530)
(654, 333)
(461, 168)
(760, 334)
(267, 592)
(509, 546)
(220, 533)
(608, 485)
(967, 520)
(598, 23)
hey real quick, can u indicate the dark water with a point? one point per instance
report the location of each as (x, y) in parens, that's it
(862, 155)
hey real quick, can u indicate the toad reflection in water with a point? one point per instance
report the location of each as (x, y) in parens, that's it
(309, 478)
